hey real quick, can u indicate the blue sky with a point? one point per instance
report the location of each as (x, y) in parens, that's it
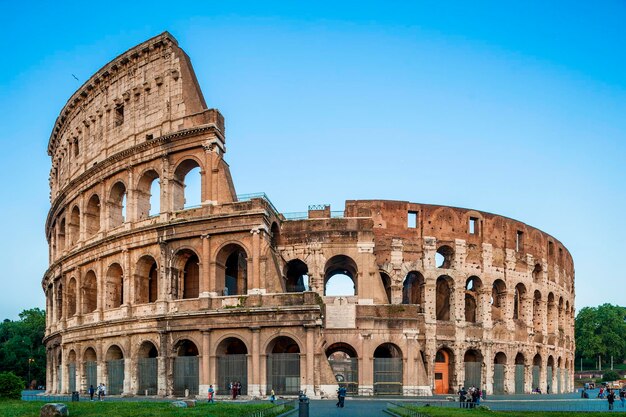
(512, 108)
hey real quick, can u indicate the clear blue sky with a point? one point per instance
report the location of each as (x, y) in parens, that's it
(517, 108)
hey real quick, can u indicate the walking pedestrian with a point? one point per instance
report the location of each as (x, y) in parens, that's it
(341, 395)
(91, 391)
(611, 399)
(622, 396)
(462, 393)
(211, 394)
(272, 396)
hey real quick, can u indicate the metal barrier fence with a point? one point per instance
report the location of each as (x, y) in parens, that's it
(401, 409)
(91, 374)
(147, 369)
(186, 375)
(498, 378)
(472, 374)
(283, 373)
(541, 404)
(519, 379)
(72, 376)
(279, 408)
(388, 376)
(346, 372)
(232, 368)
(115, 376)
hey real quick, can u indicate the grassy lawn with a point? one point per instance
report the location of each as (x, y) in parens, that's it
(131, 409)
(456, 412)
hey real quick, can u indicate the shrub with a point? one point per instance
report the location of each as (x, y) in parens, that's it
(610, 376)
(11, 386)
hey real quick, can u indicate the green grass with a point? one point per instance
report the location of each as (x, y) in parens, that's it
(456, 412)
(9, 408)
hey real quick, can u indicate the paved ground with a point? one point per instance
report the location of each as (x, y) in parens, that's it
(353, 408)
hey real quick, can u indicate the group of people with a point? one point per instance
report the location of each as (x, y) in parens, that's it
(469, 398)
(234, 387)
(100, 391)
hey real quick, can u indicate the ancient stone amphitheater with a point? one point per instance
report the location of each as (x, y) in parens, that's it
(152, 296)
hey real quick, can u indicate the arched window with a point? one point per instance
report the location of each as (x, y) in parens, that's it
(61, 236)
(498, 300)
(537, 312)
(74, 226)
(444, 257)
(92, 216)
(117, 205)
(297, 276)
(71, 297)
(552, 314)
(187, 185)
(232, 266)
(413, 288)
(518, 300)
(340, 276)
(344, 362)
(146, 280)
(191, 277)
(386, 281)
(90, 293)
(148, 195)
(114, 296)
(472, 286)
(444, 293)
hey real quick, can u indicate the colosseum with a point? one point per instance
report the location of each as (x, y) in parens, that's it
(154, 296)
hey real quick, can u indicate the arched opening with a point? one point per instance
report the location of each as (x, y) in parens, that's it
(71, 370)
(386, 281)
(59, 366)
(550, 375)
(275, 230)
(90, 293)
(189, 276)
(473, 361)
(388, 370)
(537, 273)
(520, 378)
(232, 365)
(561, 314)
(413, 288)
(186, 376)
(92, 216)
(71, 298)
(232, 270)
(472, 286)
(536, 372)
(117, 205)
(444, 258)
(443, 295)
(498, 300)
(59, 301)
(146, 280)
(74, 226)
(344, 362)
(297, 276)
(559, 387)
(187, 185)
(147, 369)
(537, 312)
(283, 366)
(518, 302)
(552, 314)
(148, 195)
(444, 371)
(114, 295)
(61, 236)
(340, 276)
(115, 370)
(90, 366)
(499, 372)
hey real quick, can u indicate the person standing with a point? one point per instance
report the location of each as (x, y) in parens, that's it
(233, 389)
(611, 399)
(91, 391)
(622, 396)
(272, 396)
(211, 394)
(341, 396)
(462, 393)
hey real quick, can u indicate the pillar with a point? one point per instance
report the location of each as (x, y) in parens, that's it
(366, 366)
(205, 264)
(254, 374)
(205, 369)
(256, 255)
(310, 360)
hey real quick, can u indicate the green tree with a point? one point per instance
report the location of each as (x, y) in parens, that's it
(601, 331)
(11, 386)
(21, 349)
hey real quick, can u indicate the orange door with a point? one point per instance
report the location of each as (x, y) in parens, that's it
(442, 377)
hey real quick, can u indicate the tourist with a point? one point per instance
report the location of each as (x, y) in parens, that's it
(611, 399)
(272, 396)
(622, 396)
(91, 391)
(99, 391)
(211, 394)
(341, 395)
(462, 394)
(233, 389)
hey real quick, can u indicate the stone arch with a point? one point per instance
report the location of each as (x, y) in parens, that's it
(561, 314)
(188, 272)
(114, 361)
(536, 372)
(147, 368)
(146, 280)
(499, 373)
(114, 287)
(283, 365)
(181, 195)
(117, 204)
(343, 360)
(388, 369)
(275, 235)
(337, 271)
(297, 273)
(71, 297)
(444, 294)
(90, 363)
(413, 288)
(473, 361)
(92, 216)
(386, 281)
(60, 236)
(473, 285)
(232, 269)
(444, 370)
(518, 301)
(147, 203)
(232, 363)
(90, 292)
(498, 300)
(74, 225)
(444, 258)
(185, 367)
(538, 273)
(550, 374)
(520, 373)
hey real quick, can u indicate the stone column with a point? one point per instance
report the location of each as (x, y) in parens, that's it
(205, 369)
(131, 197)
(162, 384)
(310, 360)
(130, 378)
(65, 374)
(205, 265)
(366, 368)
(207, 177)
(256, 254)
(128, 285)
(488, 369)
(254, 374)
(165, 200)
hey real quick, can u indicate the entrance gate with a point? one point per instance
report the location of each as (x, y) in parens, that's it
(536, 373)
(115, 376)
(519, 379)
(498, 378)
(72, 376)
(346, 371)
(283, 373)
(472, 374)
(442, 372)
(91, 374)
(549, 386)
(558, 381)
(387, 376)
(147, 372)
(186, 375)
(232, 368)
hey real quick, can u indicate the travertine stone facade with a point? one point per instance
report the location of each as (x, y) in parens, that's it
(154, 297)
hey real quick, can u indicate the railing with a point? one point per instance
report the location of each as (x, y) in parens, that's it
(303, 215)
(275, 410)
(250, 196)
(396, 409)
